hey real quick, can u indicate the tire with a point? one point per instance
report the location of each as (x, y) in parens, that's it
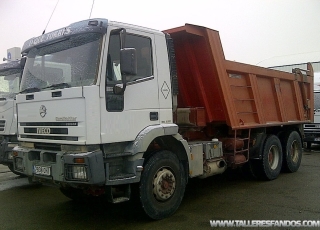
(271, 158)
(162, 185)
(251, 170)
(292, 152)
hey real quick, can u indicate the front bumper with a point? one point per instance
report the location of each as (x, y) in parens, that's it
(312, 139)
(80, 169)
(6, 157)
(59, 167)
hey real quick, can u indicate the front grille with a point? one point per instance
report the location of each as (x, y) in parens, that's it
(48, 130)
(52, 130)
(2, 125)
(47, 146)
(61, 138)
(49, 124)
(312, 129)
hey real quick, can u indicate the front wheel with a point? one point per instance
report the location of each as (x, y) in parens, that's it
(292, 152)
(162, 185)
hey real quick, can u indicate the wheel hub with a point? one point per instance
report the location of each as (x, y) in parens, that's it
(273, 157)
(294, 152)
(164, 184)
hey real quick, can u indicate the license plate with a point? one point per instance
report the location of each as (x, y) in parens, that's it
(42, 170)
(317, 139)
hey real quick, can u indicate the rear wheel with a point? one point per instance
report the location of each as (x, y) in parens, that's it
(162, 185)
(271, 158)
(292, 151)
(251, 169)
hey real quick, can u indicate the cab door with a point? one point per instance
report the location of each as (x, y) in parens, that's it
(123, 116)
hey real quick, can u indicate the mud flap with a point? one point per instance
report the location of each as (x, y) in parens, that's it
(118, 194)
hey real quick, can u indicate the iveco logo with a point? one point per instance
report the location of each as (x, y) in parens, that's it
(43, 130)
(43, 111)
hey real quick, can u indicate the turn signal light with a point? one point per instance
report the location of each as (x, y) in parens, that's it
(79, 160)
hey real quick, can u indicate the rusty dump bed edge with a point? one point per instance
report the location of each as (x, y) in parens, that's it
(240, 95)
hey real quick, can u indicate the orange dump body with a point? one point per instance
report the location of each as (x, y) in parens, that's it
(240, 95)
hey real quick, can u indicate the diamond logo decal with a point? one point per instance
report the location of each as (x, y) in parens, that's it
(165, 90)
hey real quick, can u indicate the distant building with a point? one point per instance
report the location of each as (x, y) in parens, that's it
(13, 54)
(289, 62)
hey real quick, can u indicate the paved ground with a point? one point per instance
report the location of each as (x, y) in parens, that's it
(10, 180)
(230, 196)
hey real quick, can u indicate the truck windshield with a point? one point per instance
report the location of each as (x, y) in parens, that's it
(69, 63)
(9, 83)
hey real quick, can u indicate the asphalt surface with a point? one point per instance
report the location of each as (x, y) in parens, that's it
(230, 196)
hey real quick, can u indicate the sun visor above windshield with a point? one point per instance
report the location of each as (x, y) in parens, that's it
(86, 26)
(10, 66)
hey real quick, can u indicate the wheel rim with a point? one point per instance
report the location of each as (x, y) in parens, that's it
(273, 157)
(164, 184)
(294, 151)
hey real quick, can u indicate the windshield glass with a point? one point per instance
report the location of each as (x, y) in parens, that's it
(9, 83)
(68, 63)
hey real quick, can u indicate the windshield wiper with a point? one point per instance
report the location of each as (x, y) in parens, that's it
(57, 86)
(30, 90)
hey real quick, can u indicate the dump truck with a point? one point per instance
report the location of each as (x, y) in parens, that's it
(109, 109)
(10, 75)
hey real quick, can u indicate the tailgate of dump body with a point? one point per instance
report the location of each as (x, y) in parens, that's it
(240, 95)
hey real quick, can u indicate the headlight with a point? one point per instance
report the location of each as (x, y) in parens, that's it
(10, 155)
(79, 172)
(18, 164)
(76, 172)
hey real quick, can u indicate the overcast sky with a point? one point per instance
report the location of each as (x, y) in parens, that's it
(252, 31)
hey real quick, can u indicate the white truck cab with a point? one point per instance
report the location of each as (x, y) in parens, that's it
(82, 125)
(10, 75)
(312, 130)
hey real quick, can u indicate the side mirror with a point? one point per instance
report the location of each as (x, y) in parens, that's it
(128, 61)
(122, 33)
(128, 66)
